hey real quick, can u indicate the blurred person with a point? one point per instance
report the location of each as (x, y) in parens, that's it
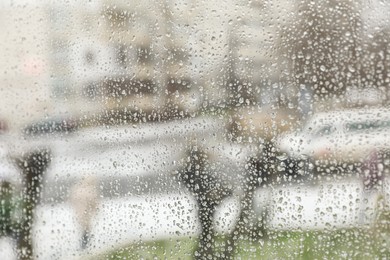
(372, 171)
(3, 127)
(84, 198)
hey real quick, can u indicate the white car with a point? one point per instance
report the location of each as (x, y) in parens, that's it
(346, 136)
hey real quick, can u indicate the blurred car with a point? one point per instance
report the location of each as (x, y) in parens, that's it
(337, 138)
(257, 128)
(51, 126)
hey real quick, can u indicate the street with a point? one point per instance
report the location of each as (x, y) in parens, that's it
(140, 199)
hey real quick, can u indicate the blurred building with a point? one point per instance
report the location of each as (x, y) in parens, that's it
(142, 55)
(81, 58)
(77, 54)
(24, 64)
(258, 66)
(127, 56)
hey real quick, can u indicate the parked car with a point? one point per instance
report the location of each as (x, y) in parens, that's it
(339, 138)
(51, 126)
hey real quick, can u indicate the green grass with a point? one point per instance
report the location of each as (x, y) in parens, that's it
(164, 249)
(341, 244)
(367, 243)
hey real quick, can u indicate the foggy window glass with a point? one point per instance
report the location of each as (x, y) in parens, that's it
(183, 129)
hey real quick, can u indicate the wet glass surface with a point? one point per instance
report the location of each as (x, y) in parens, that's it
(189, 129)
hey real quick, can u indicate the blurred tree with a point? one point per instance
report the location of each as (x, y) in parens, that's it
(208, 191)
(376, 59)
(323, 46)
(32, 165)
